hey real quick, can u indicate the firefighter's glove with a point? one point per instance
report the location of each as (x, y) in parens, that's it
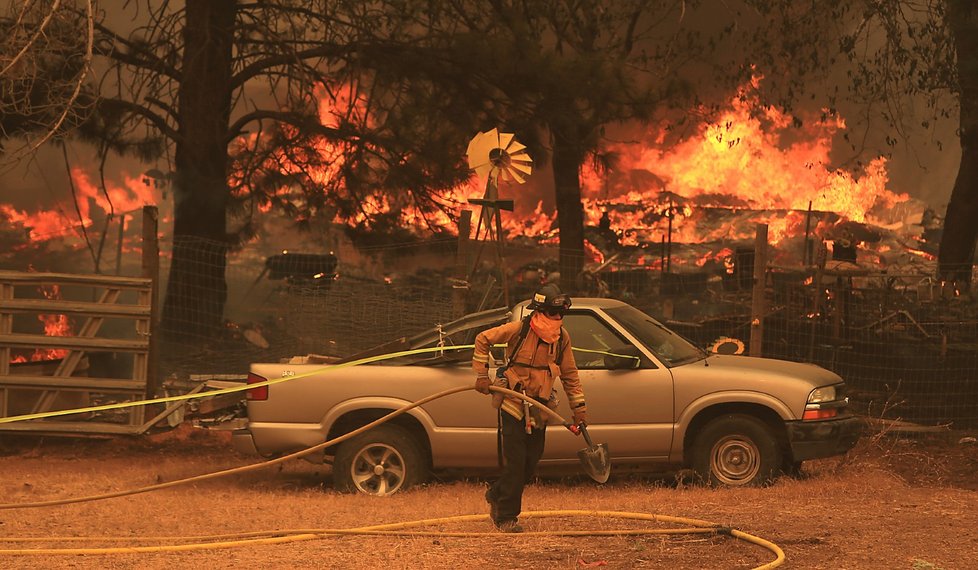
(580, 417)
(482, 384)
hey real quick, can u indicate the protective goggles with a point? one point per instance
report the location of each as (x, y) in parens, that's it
(557, 306)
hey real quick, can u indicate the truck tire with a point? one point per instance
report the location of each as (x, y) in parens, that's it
(736, 450)
(379, 462)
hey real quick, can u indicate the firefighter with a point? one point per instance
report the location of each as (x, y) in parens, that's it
(538, 351)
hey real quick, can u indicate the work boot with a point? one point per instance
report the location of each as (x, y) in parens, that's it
(493, 507)
(510, 526)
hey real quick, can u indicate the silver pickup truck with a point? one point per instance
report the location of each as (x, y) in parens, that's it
(655, 399)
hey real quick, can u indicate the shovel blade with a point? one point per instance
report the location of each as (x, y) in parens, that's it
(596, 462)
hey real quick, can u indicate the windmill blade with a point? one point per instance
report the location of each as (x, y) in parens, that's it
(483, 171)
(515, 175)
(504, 140)
(514, 147)
(511, 159)
(480, 145)
(471, 152)
(479, 148)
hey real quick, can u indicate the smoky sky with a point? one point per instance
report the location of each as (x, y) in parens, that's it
(923, 163)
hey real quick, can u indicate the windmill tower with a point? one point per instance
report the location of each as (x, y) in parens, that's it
(495, 156)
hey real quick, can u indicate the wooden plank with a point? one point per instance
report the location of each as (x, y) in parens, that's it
(34, 278)
(140, 362)
(85, 383)
(49, 386)
(168, 410)
(151, 271)
(6, 326)
(63, 428)
(88, 330)
(62, 307)
(104, 344)
(70, 362)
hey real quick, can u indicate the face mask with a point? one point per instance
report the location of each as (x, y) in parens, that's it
(546, 328)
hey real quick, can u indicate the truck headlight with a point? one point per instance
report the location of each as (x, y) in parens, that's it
(823, 394)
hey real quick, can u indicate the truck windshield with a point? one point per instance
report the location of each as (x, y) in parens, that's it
(668, 346)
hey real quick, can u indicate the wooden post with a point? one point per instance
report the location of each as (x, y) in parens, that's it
(504, 282)
(669, 242)
(757, 300)
(151, 270)
(806, 253)
(820, 258)
(118, 251)
(6, 327)
(838, 292)
(662, 256)
(461, 285)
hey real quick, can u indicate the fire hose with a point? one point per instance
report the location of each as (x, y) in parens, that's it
(397, 529)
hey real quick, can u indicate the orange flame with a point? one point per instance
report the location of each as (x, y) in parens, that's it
(740, 162)
(54, 325)
(746, 167)
(62, 221)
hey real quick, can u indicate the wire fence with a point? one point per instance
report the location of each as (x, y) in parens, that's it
(906, 344)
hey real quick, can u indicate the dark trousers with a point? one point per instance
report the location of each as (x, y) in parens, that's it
(521, 453)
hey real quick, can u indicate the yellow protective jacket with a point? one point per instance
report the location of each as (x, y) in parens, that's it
(534, 369)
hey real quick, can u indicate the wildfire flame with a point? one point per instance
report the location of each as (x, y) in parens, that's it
(740, 162)
(62, 221)
(54, 325)
(744, 168)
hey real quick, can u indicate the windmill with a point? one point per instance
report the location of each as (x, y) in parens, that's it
(495, 156)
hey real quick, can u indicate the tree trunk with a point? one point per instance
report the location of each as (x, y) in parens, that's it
(197, 291)
(567, 158)
(960, 235)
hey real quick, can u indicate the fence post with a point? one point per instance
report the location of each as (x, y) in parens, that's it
(820, 258)
(460, 285)
(757, 300)
(151, 269)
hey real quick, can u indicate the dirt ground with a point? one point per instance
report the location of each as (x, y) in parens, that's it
(891, 503)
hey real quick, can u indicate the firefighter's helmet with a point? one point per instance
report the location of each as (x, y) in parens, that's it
(550, 299)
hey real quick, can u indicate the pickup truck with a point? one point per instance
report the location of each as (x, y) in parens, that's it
(658, 402)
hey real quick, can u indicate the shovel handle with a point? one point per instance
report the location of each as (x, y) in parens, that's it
(580, 429)
(587, 438)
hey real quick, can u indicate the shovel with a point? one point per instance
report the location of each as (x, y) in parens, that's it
(594, 458)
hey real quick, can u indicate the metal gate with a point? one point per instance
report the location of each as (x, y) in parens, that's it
(31, 382)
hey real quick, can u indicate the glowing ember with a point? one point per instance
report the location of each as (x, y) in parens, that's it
(722, 256)
(594, 254)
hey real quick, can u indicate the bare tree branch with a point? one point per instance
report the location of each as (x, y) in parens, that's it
(37, 34)
(86, 67)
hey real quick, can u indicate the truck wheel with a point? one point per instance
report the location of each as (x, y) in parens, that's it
(736, 450)
(379, 462)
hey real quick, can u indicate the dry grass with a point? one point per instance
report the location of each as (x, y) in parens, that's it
(890, 504)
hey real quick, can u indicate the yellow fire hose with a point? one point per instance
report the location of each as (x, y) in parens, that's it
(400, 529)
(396, 529)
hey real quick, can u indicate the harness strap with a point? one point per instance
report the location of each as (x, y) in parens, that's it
(519, 341)
(522, 365)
